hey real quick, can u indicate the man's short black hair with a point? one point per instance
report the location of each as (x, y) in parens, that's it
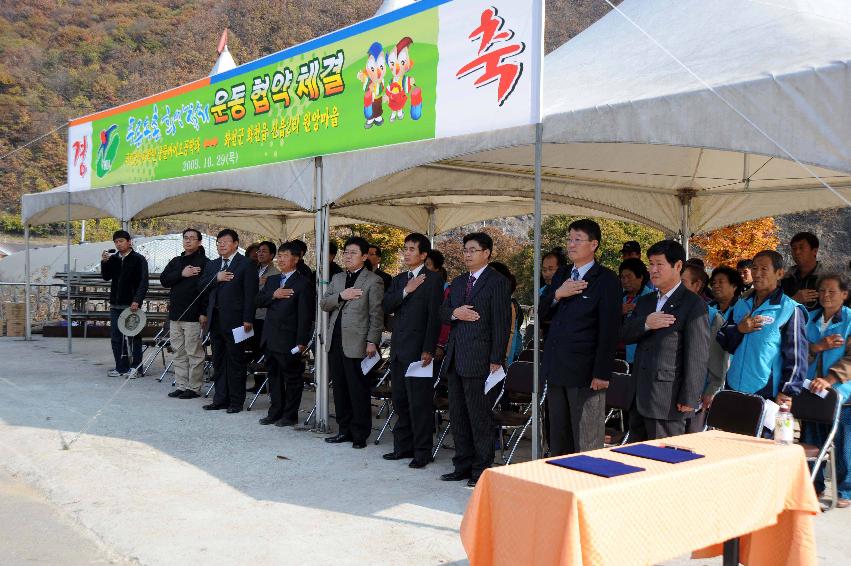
(698, 273)
(423, 244)
(437, 259)
(269, 245)
(775, 257)
(673, 251)
(744, 264)
(121, 234)
(302, 246)
(291, 247)
(197, 232)
(637, 267)
(361, 243)
(557, 253)
(480, 238)
(228, 232)
(809, 237)
(587, 227)
(732, 276)
(332, 247)
(377, 249)
(696, 261)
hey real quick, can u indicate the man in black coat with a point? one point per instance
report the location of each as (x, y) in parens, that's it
(127, 272)
(583, 304)
(181, 277)
(478, 309)
(414, 299)
(671, 328)
(291, 306)
(231, 283)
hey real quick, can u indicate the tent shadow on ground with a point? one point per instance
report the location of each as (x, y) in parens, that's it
(64, 394)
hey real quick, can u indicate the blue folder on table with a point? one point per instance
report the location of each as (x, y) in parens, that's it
(596, 466)
(659, 453)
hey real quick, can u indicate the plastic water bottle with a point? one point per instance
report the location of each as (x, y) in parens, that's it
(784, 426)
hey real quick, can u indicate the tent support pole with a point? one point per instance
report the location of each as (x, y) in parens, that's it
(68, 272)
(322, 267)
(27, 287)
(536, 393)
(124, 222)
(431, 225)
(685, 207)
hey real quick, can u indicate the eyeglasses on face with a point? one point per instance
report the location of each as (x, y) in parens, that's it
(471, 251)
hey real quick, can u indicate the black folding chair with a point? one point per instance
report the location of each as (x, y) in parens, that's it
(811, 409)
(619, 397)
(736, 412)
(518, 382)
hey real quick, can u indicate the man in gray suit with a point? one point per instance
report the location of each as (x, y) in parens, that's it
(354, 300)
(671, 328)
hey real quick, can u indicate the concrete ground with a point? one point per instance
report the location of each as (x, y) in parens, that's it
(155, 480)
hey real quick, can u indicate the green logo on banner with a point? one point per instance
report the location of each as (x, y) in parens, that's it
(107, 150)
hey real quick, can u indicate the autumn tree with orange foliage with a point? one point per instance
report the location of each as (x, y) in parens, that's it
(726, 246)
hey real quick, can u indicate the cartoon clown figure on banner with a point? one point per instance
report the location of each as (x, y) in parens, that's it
(374, 88)
(402, 84)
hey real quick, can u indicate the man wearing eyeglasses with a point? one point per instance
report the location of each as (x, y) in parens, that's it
(479, 310)
(181, 277)
(583, 305)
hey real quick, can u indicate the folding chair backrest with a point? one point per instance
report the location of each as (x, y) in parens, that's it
(740, 413)
(520, 377)
(529, 334)
(620, 366)
(526, 356)
(621, 391)
(808, 406)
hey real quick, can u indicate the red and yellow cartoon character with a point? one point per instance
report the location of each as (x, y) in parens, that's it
(400, 63)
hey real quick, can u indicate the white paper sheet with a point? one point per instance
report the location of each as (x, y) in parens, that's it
(770, 414)
(368, 363)
(294, 350)
(494, 378)
(808, 382)
(416, 369)
(240, 335)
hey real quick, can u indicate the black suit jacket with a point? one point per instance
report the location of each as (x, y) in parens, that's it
(416, 317)
(232, 300)
(289, 322)
(475, 345)
(584, 328)
(670, 363)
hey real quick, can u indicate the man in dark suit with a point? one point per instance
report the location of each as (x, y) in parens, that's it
(414, 299)
(288, 298)
(231, 285)
(479, 310)
(671, 328)
(583, 305)
(354, 300)
(374, 258)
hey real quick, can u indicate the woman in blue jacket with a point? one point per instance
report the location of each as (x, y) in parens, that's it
(829, 334)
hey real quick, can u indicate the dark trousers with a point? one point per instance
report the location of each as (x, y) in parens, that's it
(228, 365)
(577, 416)
(119, 347)
(696, 422)
(286, 384)
(471, 422)
(413, 402)
(643, 428)
(352, 403)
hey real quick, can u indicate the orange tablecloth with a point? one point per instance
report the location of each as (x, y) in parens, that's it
(537, 513)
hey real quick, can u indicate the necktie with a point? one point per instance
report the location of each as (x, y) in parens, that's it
(283, 281)
(225, 264)
(469, 293)
(574, 274)
(410, 275)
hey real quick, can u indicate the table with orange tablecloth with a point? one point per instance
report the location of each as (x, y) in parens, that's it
(541, 514)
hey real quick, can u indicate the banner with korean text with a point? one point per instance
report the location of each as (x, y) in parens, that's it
(432, 69)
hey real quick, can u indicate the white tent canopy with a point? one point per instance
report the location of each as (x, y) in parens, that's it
(629, 131)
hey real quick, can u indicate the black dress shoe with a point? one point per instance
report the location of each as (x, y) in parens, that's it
(338, 438)
(285, 422)
(267, 420)
(214, 407)
(472, 482)
(176, 393)
(418, 463)
(232, 410)
(456, 475)
(358, 444)
(397, 455)
(189, 394)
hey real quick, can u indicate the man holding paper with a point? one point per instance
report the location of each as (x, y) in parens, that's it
(288, 298)
(354, 300)
(231, 283)
(414, 298)
(479, 310)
